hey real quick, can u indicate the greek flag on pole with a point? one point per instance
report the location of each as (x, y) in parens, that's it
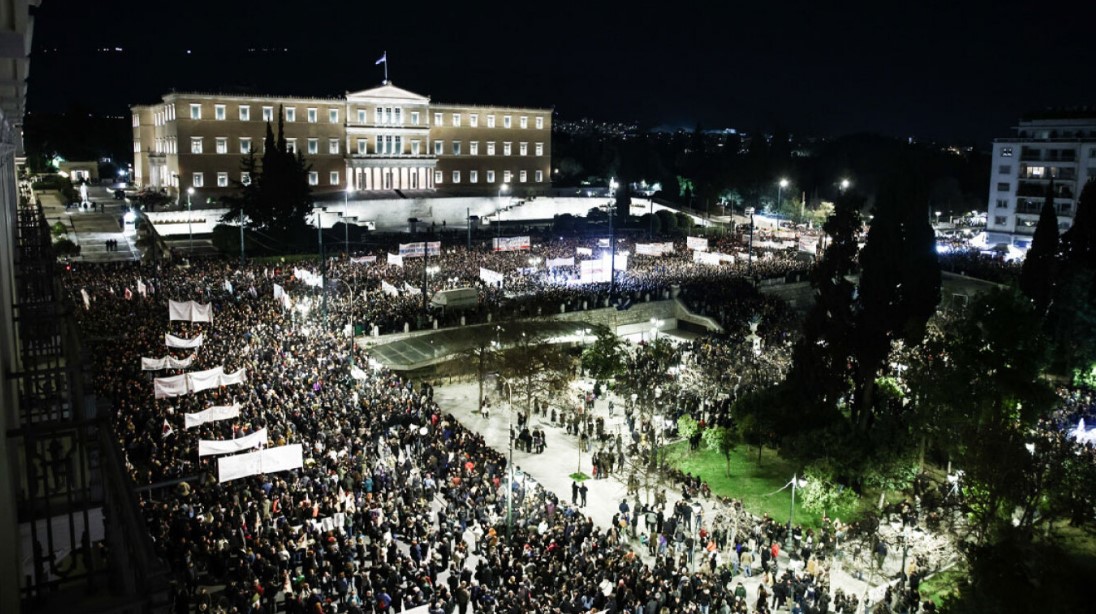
(383, 60)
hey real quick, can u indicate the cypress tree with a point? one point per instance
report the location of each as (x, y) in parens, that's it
(1037, 278)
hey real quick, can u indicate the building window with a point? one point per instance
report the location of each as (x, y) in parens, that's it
(473, 176)
(245, 145)
(473, 148)
(1002, 187)
(290, 114)
(439, 148)
(523, 149)
(1002, 203)
(362, 144)
(333, 178)
(437, 119)
(1004, 169)
(313, 178)
(540, 176)
(312, 114)
(268, 114)
(222, 180)
(506, 176)
(1000, 220)
(245, 178)
(473, 120)
(1006, 152)
(313, 146)
(332, 146)
(221, 144)
(521, 176)
(490, 121)
(136, 146)
(506, 121)
(333, 116)
(456, 148)
(291, 145)
(456, 176)
(506, 148)
(397, 115)
(437, 177)
(490, 177)
(361, 116)
(540, 123)
(245, 113)
(195, 111)
(195, 144)
(456, 120)
(414, 148)
(415, 118)
(490, 148)
(219, 112)
(378, 115)
(540, 149)
(523, 122)
(198, 180)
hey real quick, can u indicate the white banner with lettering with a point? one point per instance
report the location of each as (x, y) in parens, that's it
(490, 277)
(308, 277)
(389, 289)
(395, 259)
(213, 414)
(706, 258)
(174, 386)
(167, 362)
(593, 271)
(172, 341)
(510, 244)
(648, 249)
(555, 263)
(271, 460)
(210, 447)
(179, 385)
(364, 260)
(697, 243)
(584, 251)
(189, 311)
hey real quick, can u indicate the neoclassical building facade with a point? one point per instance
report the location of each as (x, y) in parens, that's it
(381, 139)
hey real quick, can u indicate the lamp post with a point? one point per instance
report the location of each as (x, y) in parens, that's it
(780, 185)
(189, 222)
(498, 213)
(612, 239)
(796, 483)
(510, 465)
(845, 184)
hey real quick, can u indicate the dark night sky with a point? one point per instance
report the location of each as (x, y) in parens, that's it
(959, 70)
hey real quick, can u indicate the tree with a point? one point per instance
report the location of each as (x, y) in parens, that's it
(721, 439)
(1079, 242)
(1037, 278)
(667, 220)
(623, 201)
(604, 358)
(537, 366)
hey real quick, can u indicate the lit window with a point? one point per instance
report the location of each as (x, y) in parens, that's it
(398, 115)
(506, 149)
(473, 176)
(378, 115)
(332, 146)
(540, 123)
(333, 178)
(245, 145)
(523, 122)
(362, 143)
(414, 148)
(506, 121)
(222, 180)
(198, 180)
(333, 116)
(506, 176)
(473, 120)
(540, 149)
(268, 114)
(290, 114)
(195, 111)
(490, 121)
(313, 178)
(222, 145)
(1006, 152)
(312, 114)
(456, 148)
(362, 116)
(490, 148)
(437, 119)
(456, 120)
(219, 112)
(473, 148)
(245, 113)
(540, 176)
(521, 176)
(456, 176)
(195, 144)
(437, 176)
(523, 149)
(415, 118)
(291, 145)
(490, 177)
(439, 148)
(313, 146)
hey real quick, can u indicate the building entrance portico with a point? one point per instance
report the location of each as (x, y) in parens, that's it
(382, 174)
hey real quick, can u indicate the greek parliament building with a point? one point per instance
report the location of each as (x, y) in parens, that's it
(385, 138)
(1051, 144)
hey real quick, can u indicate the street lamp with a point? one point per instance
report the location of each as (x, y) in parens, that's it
(938, 214)
(510, 479)
(498, 212)
(783, 183)
(189, 220)
(845, 184)
(796, 483)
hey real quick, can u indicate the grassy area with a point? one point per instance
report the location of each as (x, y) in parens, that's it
(749, 482)
(939, 586)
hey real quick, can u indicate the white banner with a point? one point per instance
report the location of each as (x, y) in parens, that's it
(389, 289)
(584, 251)
(308, 277)
(167, 362)
(189, 311)
(490, 277)
(395, 259)
(706, 258)
(204, 380)
(87, 299)
(174, 386)
(593, 271)
(210, 447)
(271, 460)
(667, 248)
(172, 341)
(648, 249)
(198, 381)
(510, 244)
(697, 243)
(412, 250)
(555, 263)
(213, 414)
(282, 296)
(364, 260)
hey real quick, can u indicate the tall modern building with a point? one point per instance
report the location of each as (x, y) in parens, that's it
(380, 139)
(1053, 144)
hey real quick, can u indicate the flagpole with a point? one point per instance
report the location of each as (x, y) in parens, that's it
(386, 66)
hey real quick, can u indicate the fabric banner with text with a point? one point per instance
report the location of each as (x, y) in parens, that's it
(213, 414)
(271, 460)
(697, 243)
(172, 341)
(363, 260)
(555, 263)
(510, 244)
(210, 447)
(490, 277)
(189, 311)
(174, 386)
(167, 362)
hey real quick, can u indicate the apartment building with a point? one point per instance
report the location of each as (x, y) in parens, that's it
(1054, 144)
(381, 139)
